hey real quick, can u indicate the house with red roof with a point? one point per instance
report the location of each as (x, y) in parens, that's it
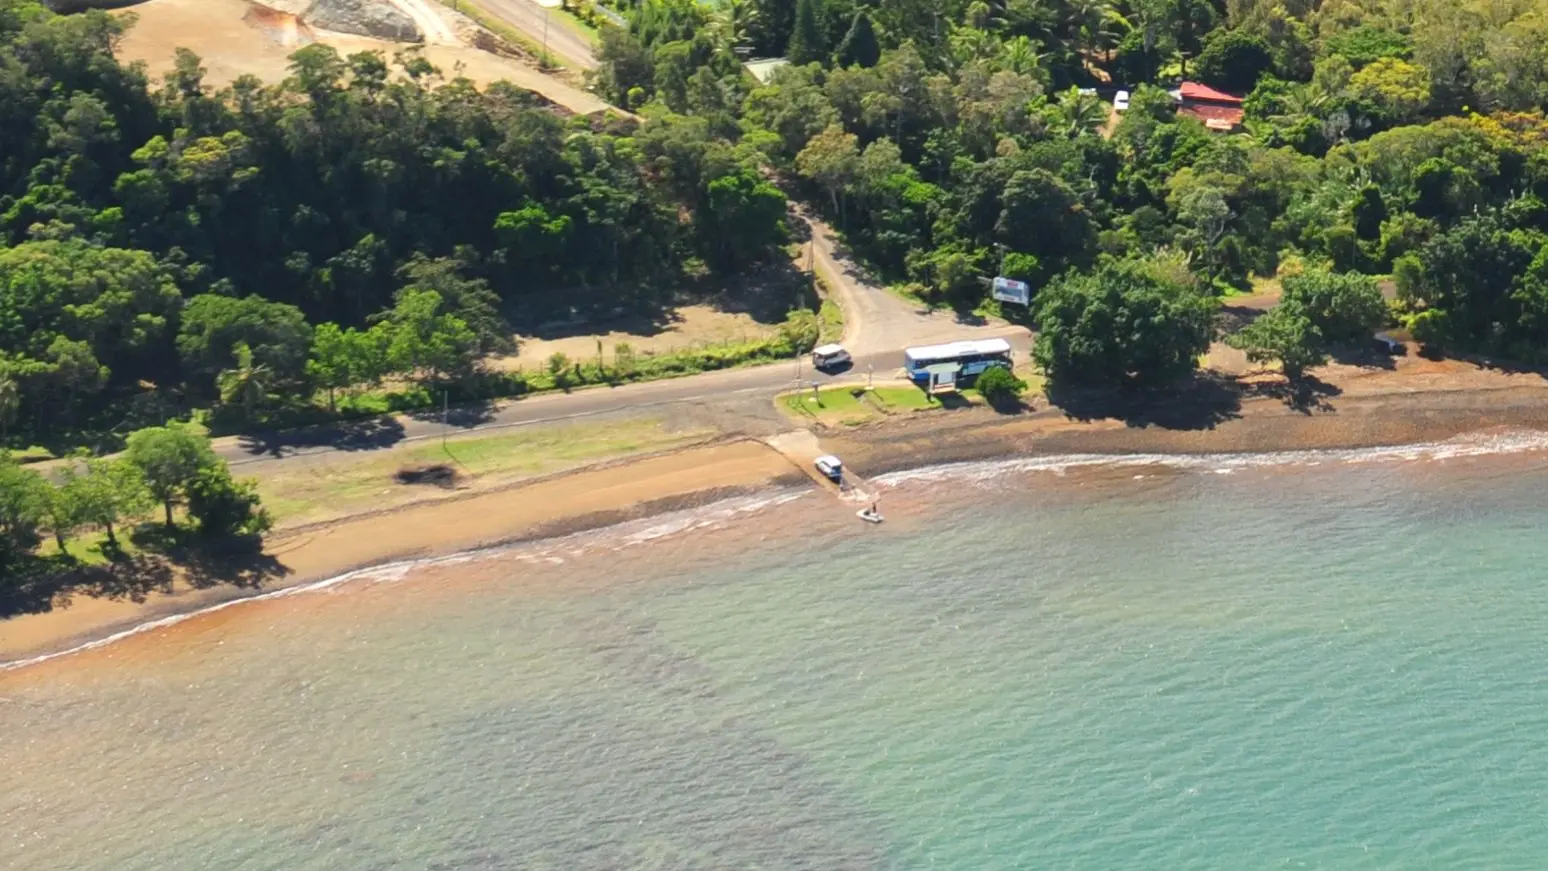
(1216, 109)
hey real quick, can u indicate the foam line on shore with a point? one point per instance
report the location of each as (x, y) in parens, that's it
(1471, 445)
(619, 536)
(634, 533)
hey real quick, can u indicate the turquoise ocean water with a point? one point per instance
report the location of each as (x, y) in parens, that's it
(1314, 661)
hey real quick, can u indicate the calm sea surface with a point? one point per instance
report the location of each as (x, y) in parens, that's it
(1326, 661)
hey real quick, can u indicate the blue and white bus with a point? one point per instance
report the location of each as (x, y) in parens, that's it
(972, 356)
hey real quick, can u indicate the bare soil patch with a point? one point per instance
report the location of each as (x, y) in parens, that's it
(235, 40)
(687, 327)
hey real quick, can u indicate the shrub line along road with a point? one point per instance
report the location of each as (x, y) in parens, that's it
(877, 327)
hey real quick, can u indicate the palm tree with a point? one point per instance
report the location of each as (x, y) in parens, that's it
(972, 43)
(735, 18)
(1083, 113)
(1021, 55)
(1099, 25)
(1304, 101)
(248, 383)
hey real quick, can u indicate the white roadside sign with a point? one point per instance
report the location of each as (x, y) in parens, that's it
(1011, 290)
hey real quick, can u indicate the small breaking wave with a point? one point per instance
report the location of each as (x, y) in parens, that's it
(1473, 445)
(632, 533)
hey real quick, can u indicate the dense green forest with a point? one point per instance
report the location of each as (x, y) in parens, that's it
(954, 140)
(168, 246)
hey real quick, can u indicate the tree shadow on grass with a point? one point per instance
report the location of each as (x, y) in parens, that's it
(1203, 402)
(50, 582)
(34, 584)
(951, 401)
(366, 434)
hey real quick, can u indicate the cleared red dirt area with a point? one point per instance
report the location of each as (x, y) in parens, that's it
(235, 38)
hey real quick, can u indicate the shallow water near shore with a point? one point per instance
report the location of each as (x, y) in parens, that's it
(1326, 660)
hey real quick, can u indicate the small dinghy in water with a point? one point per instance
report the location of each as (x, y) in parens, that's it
(869, 516)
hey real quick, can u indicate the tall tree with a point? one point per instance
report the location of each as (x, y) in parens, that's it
(807, 43)
(1285, 335)
(275, 334)
(1127, 323)
(247, 383)
(1344, 307)
(107, 493)
(860, 46)
(24, 502)
(169, 458)
(423, 341)
(10, 401)
(831, 160)
(742, 218)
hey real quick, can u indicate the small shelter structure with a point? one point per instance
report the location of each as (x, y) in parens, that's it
(763, 69)
(943, 377)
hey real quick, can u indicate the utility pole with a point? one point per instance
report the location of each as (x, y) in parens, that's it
(445, 417)
(545, 37)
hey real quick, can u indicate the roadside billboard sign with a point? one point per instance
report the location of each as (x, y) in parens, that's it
(1011, 290)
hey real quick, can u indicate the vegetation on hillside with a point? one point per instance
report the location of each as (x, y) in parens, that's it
(952, 142)
(366, 221)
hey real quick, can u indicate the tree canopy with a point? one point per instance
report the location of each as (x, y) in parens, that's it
(1127, 323)
(166, 244)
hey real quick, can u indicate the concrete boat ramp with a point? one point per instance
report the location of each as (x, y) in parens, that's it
(802, 449)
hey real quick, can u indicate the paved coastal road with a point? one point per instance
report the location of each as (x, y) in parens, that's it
(878, 325)
(571, 48)
(252, 453)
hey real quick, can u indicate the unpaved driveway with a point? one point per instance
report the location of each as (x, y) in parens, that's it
(876, 320)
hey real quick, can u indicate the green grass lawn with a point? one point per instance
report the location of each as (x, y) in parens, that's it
(851, 406)
(905, 398)
(830, 319)
(836, 405)
(344, 485)
(87, 548)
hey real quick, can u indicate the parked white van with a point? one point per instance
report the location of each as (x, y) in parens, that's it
(830, 356)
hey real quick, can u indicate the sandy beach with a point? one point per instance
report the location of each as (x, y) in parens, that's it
(1369, 416)
(585, 499)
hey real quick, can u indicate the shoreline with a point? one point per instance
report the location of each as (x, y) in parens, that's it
(595, 498)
